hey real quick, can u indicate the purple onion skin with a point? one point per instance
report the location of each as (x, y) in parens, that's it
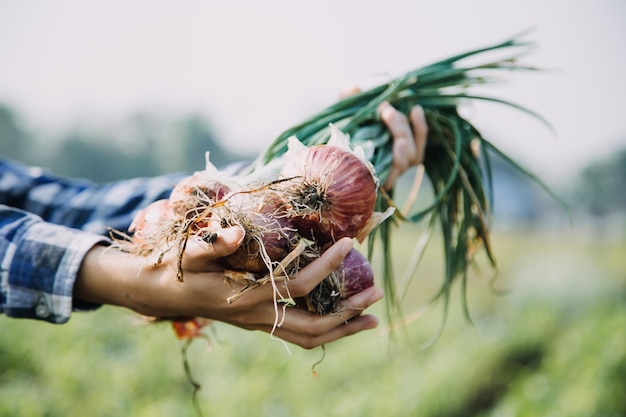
(345, 199)
(355, 274)
(195, 192)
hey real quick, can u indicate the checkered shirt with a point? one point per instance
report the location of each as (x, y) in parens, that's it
(47, 225)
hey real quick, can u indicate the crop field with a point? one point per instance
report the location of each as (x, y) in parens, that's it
(547, 338)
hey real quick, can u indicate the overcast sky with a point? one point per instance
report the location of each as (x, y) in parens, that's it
(254, 68)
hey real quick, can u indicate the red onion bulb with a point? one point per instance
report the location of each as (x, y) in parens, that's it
(332, 191)
(193, 193)
(354, 275)
(151, 221)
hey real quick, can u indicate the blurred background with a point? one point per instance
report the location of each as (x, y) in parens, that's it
(112, 90)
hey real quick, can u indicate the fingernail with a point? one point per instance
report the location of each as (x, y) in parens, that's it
(373, 323)
(377, 295)
(345, 245)
(232, 234)
(382, 106)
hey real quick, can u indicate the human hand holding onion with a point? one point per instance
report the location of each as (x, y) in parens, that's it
(110, 276)
(258, 309)
(294, 227)
(281, 261)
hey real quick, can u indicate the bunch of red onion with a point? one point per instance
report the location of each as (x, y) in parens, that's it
(317, 196)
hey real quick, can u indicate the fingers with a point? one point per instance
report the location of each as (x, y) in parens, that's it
(404, 149)
(409, 139)
(314, 273)
(298, 325)
(309, 330)
(307, 278)
(397, 123)
(307, 341)
(301, 320)
(349, 92)
(420, 132)
(409, 136)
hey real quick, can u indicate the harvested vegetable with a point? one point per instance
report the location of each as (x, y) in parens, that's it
(288, 220)
(319, 181)
(354, 275)
(331, 189)
(456, 162)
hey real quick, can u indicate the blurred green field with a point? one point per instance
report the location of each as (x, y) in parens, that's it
(553, 345)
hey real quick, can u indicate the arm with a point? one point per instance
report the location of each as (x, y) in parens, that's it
(32, 285)
(41, 241)
(49, 270)
(112, 277)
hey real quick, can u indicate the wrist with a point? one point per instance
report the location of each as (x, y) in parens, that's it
(106, 277)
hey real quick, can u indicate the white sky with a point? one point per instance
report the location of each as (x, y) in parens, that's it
(255, 68)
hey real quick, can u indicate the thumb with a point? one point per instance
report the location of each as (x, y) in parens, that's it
(209, 245)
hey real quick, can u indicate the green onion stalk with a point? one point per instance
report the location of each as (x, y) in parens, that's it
(459, 171)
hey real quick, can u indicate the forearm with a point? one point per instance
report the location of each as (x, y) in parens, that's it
(50, 270)
(92, 273)
(103, 278)
(110, 276)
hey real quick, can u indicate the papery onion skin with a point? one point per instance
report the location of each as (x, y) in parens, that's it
(187, 328)
(335, 195)
(151, 220)
(194, 192)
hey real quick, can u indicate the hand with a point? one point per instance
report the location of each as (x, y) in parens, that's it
(409, 139)
(409, 136)
(110, 276)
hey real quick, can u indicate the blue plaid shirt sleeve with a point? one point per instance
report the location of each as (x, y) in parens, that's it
(48, 223)
(40, 261)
